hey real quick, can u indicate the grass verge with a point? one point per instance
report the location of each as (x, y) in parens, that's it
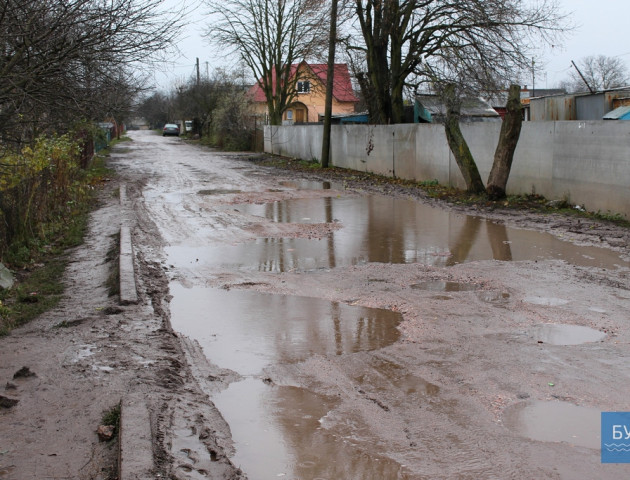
(112, 417)
(39, 264)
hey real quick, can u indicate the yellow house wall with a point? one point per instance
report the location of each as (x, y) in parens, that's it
(260, 108)
(314, 102)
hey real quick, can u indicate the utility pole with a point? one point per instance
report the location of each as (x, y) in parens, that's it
(332, 40)
(198, 75)
(582, 77)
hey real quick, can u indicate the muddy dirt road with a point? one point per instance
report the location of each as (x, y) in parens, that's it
(322, 330)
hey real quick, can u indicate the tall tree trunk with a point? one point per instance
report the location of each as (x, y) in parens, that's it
(332, 42)
(396, 81)
(398, 105)
(458, 145)
(379, 81)
(508, 139)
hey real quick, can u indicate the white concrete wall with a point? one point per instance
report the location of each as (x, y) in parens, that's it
(587, 162)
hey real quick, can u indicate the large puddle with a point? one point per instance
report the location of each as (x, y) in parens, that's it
(277, 430)
(386, 230)
(282, 431)
(247, 331)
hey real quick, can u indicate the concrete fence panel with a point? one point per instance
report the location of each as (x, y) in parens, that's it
(586, 162)
(592, 164)
(432, 155)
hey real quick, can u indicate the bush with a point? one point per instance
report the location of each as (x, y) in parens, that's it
(40, 188)
(232, 127)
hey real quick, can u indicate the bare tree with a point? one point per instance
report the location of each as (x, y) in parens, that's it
(474, 40)
(597, 72)
(508, 139)
(270, 36)
(66, 60)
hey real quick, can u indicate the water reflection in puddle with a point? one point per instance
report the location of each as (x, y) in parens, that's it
(278, 433)
(393, 230)
(556, 422)
(310, 185)
(277, 429)
(218, 191)
(566, 334)
(441, 286)
(546, 301)
(246, 331)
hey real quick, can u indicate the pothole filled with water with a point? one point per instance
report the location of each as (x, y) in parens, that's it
(277, 429)
(218, 191)
(393, 230)
(309, 185)
(546, 301)
(556, 422)
(246, 331)
(442, 286)
(559, 334)
(278, 433)
(494, 297)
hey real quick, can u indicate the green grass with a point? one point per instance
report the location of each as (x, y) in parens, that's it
(39, 263)
(112, 417)
(37, 290)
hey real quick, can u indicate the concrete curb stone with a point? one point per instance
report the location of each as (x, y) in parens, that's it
(135, 459)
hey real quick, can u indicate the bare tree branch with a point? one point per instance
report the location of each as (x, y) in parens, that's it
(270, 36)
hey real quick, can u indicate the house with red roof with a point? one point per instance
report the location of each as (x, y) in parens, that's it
(310, 93)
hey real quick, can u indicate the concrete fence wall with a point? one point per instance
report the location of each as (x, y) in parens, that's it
(586, 162)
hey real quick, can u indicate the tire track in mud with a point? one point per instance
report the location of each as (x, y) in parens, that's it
(471, 349)
(192, 440)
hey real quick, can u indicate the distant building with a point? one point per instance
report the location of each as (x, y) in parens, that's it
(578, 106)
(429, 108)
(499, 99)
(309, 105)
(619, 113)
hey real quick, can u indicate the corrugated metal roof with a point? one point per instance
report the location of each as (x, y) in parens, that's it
(471, 106)
(619, 113)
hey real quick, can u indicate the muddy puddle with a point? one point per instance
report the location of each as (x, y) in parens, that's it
(310, 185)
(278, 433)
(247, 331)
(392, 230)
(443, 286)
(277, 429)
(284, 431)
(218, 191)
(558, 334)
(556, 421)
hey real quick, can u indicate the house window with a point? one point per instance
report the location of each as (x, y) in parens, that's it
(304, 87)
(289, 114)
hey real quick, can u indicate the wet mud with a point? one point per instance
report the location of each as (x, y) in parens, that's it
(302, 326)
(364, 335)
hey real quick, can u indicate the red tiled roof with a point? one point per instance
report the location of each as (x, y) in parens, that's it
(342, 87)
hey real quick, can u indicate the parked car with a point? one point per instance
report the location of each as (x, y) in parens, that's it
(189, 125)
(170, 129)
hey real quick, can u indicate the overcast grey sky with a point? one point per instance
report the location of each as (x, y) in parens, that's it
(601, 26)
